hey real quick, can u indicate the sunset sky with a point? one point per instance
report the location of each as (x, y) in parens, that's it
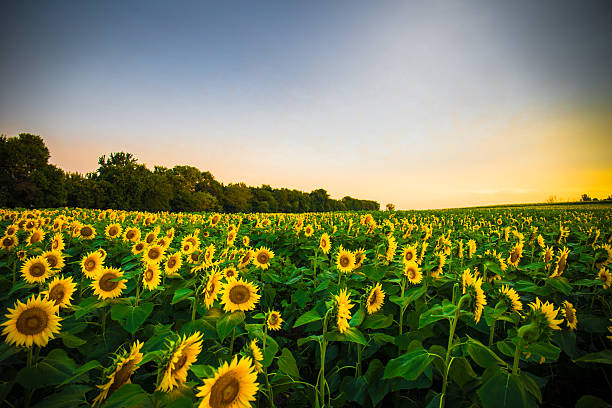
(426, 104)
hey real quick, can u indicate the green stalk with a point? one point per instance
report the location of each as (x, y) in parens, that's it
(358, 366)
(323, 348)
(315, 266)
(270, 392)
(28, 395)
(447, 360)
(193, 308)
(492, 333)
(232, 342)
(402, 308)
(517, 357)
(137, 291)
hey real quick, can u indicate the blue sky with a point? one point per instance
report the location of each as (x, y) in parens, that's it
(423, 104)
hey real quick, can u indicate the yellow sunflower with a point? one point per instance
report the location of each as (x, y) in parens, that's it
(473, 287)
(55, 260)
(246, 241)
(569, 312)
(153, 254)
(239, 295)
(345, 261)
(256, 354)
(151, 236)
(308, 231)
(274, 320)
(87, 232)
(173, 263)
(375, 299)
(107, 284)
(561, 262)
(343, 311)
(214, 219)
(113, 231)
(121, 373)
(246, 259)
(213, 286)
(21, 255)
(409, 254)
(60, 291)
(92, 264)
(58, 243)
(151, 277)
(413, 273)
(132, 234)
(325, 243)
(9, 242)
(139, 247)
(262, 258)
(230, 272)
(11, 230)
(512, 298)
(36, 236)
(233, 386)
(209, 254)
(36, 270)
(231, 237)
(548, 312)
(515, 255)
(547, 255)
(33, 322)
(182, 355)
(605, 277)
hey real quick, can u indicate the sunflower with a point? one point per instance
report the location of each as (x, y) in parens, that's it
(246, 259)
(413, 273)
(213, 286)
(360, 256)
(11, 230)
(58, 243)
(87, 232)
(409, 254)
(569, 312)
(546, 314)
(239, 295)
(391, 248)
(55, 259)
(515, 255)
(231, 237)
(605, 277)
(151, 277)
(256, 354)
(345, 261)
(547, 255)
(36, 236)
(246, 241)
(33, 322)
(132, 234)
(9, 242)
(173, 263)
(36, 270)
(561, 262)
(60, 291)
(262, 258)
(108, 284)
(193, 241)
(375, 299)
(21, 255)
(92, 264)
(471, 248)
(511, 297)
(325, 243)
(214, 219)
(230, 272)
(121, 372)
(233, 386)
(138, 247)
(182, 355)
(113, 231)
(153, 254)
(344, 306)
(209, 254)
(473, 287)
(151, 236)
(308, 231)
(274, 320)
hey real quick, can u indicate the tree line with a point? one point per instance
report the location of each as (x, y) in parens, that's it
(27, 179)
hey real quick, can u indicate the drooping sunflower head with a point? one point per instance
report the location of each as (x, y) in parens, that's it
(254, 351)
(544, 315)
(511, 297)
(246, 259)
(92, 264)
(262, 258)
(209, 254)
(376, 298)
(151, 277)
(60, 291)
(120, 372)
(345, 260)
(605, 277)
(36, 269)
(239, 295)
(569, 312)
(212, 289)
(343, 310)
(173, 263)
(413, 273)
(561, 262)
(108, 283)
(473, 287)
(233, 386)
(87, 232)
(360, 256)
(274, 320)
(325, 243)
(515, 255)
(33, 322)
(181, 355)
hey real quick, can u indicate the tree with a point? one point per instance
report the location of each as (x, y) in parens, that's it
(390, 207)
(585, 197)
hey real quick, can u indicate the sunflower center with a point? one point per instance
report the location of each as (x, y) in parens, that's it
(171, 262)
(90, 265)
(239, 294)
(344, 261)
(514, 256)
(106, 282)
(373, 298)
(55, 244)
(224, 392)
(154, 253)
(150, 238)
(37, 270)
(113, 231)
(53, 261)
(273, 318)
(57, 294)
(409, 256)
(230, 273)
(139, 246)
(122, 376)
(245, 258)
(86, 231)
(32, 321)
(8, 241)
(180, 363)
(130, 234)
(324, 243)
(411, 274)
(263, 258)
(35, 238)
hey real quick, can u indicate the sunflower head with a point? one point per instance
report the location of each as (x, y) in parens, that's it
(343, 310)
(345, 260)
(569, 312)
(473, 287)
(92, 264)
(212, 289)
(108, 283)
(87, 232)
(33, 322)
(151, 276)
(179, 358)
(113, 231)
(255, 353)
(544, 316)
(511, 298)
(153, 254)
(325, 243)
(413, 272)
(173, 263)
(9, 242)
(36, 269)
(234, 385)
(274, 320)
(262, 258)
(239, 295)
(60, 291)
(246, 259)
(36, 236)
(120, 372)
(375, 299)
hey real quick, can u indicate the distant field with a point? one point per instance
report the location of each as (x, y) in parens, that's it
(571, 205)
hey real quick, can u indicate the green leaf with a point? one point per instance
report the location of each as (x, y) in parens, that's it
(381, 338)
(358, 317)
(129, 395)
(505, 390)
(287, 364)
(377, 321)
(52, 370)
(305, 340)
(482, 355)
(409, 365)
(461, 371)
(203, 371)
(602, 357)
(308, 317)
(72, 341)
(438, 312)
(591, 401)
(131, 317)
(228, 322)
(69, 397)
(409, 297)
(90, 365)
(351, 334)
(561, 284)
(181, 294)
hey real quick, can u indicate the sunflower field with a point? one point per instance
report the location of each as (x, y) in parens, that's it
(506, 307)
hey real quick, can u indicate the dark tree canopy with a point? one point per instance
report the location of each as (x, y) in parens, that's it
(120, 182)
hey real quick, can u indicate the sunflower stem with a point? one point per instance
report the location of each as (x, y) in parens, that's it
(314, 267)
(137, 291)
(517, 357)
(193, 308)
(28, 395)
(492, 333)
(323, 348)
(358, 365)
(232, 342)
(402, 308)
(448, 360)
(270, 393)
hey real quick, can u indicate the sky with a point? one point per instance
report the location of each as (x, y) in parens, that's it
(423, 104)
